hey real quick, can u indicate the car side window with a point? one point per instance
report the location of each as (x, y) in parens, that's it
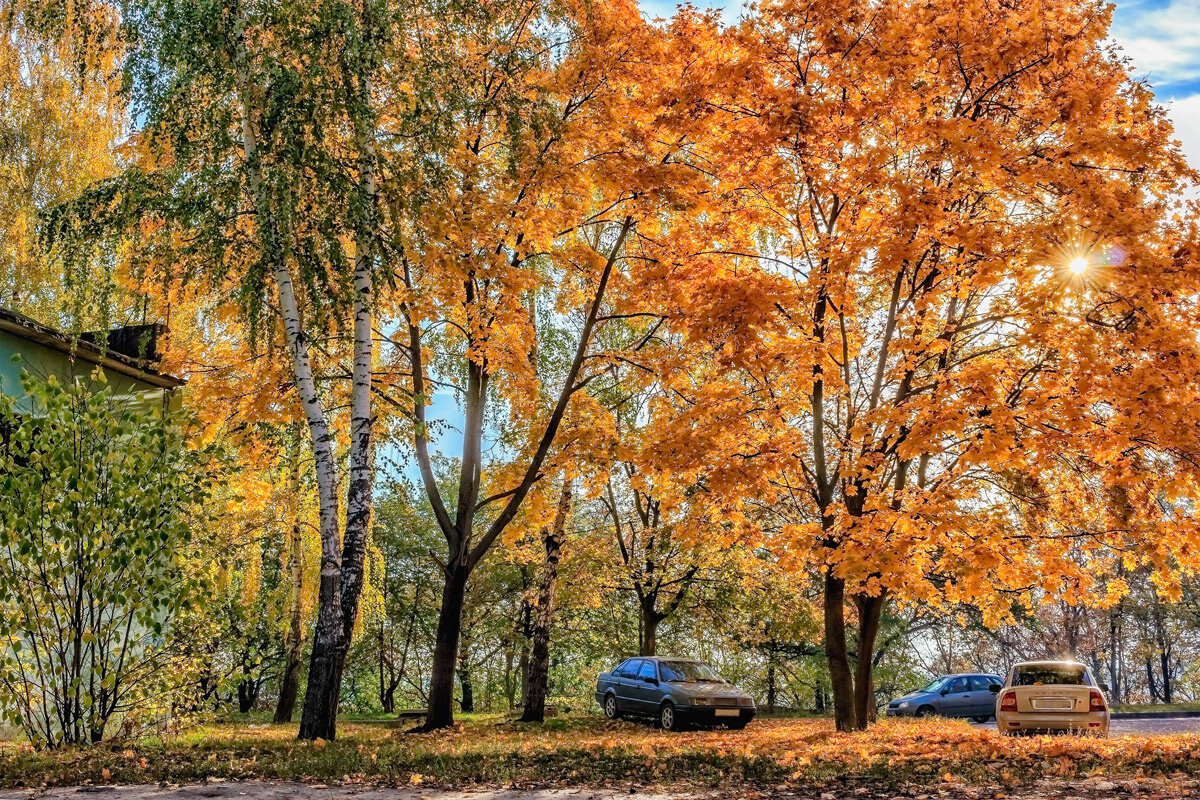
(648, 670)
(630, 668)
(980, 683)
(957, 685)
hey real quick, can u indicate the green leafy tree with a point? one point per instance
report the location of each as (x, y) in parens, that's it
(98, 498)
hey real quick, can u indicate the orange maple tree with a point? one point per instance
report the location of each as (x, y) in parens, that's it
(554, 172)
(948, 303)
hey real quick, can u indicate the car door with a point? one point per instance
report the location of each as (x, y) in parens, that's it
(983, 702)
(956, 698)
(625, 685)
(646, 687)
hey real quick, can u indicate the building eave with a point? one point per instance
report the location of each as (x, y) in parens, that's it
(31, 330)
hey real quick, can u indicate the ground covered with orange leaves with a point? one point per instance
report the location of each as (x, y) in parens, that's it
(776, 753)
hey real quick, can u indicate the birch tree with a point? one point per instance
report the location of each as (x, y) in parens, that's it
(257, 168)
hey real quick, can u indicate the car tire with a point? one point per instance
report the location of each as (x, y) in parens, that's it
(610, 707)
(982, 718)
(668, 719)
(925, 711)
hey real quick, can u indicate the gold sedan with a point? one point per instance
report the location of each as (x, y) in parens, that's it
(1049, 696)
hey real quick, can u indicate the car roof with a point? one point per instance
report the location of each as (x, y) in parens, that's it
(663, 658)
(1050, 662)
(971, 675)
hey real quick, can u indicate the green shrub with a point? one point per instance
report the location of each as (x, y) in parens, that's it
(98, 503)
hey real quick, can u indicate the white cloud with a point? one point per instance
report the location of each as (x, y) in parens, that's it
(1161, 41)
(1185, 113)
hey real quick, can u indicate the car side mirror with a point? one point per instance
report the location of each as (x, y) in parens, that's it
(1104, 687)
(944, 692)
(651, 680)
(994, 688)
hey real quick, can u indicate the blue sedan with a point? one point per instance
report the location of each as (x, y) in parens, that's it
(967, 695)
(676, 692)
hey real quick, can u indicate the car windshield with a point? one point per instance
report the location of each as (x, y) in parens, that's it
(1049, 675)
(687, 671)
(932, 686)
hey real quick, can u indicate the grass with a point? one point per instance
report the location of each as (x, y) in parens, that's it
(1172, 707)
(588, 751)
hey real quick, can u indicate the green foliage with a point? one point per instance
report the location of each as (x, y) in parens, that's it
(99, 515)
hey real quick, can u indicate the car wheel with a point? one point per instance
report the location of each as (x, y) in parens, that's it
(982, 718)
(610, 707)
(667, 718)
(925, 711)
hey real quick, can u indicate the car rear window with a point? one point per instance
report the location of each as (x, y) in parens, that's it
(1049, 675)
(630, 668)
(980, 683)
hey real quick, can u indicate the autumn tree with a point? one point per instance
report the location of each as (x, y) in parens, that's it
(945, 293)
(61, 124)
(549, 164)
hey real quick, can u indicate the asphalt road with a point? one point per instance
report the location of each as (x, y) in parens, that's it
(1154, 725)
(1144, 726)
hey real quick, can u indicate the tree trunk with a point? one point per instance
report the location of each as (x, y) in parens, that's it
(523, 667)
(445, 649)
(467, 703)
(1114, 656)
(870, 610)
(539, 662)
(841, 680)
(1164, 664)
(389, 699)
(342, 557)
(293, 642)
(771, 681)
(650, 620)
(380, 643)
(318, 719)
(247, 695)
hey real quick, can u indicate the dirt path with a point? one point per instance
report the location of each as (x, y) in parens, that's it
(1091, 789)
(300, 791)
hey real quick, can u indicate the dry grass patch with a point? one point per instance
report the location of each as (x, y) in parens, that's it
(589, 751)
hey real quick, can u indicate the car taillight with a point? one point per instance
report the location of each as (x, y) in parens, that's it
(1097, 703)
(1009, 702)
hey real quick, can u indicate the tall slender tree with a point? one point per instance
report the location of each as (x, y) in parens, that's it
(550, 161)
(257, 167)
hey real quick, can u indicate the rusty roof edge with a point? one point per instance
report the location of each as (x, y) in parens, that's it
(34, 331)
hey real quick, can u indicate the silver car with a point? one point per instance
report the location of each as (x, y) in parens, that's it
(965, 695)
